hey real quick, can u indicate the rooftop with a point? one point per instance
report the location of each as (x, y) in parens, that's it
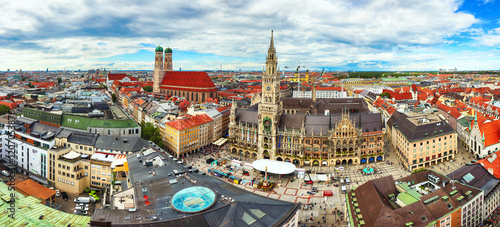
(247, 208)
(29, 209)
(30, 187)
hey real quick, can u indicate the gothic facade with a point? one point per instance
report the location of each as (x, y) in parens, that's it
(324, 132)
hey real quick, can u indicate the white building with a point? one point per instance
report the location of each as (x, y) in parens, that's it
(32, 140)
(321, 93)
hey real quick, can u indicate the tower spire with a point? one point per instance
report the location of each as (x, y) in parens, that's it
(272, 41)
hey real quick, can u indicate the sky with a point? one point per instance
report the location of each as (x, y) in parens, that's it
(361, 35)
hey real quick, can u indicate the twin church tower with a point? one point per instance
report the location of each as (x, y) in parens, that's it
(161, 66)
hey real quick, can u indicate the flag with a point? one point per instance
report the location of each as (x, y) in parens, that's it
(248, 135)
(279, 142)
(242, 134)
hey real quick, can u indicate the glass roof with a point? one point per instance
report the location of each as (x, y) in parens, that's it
(193, 199)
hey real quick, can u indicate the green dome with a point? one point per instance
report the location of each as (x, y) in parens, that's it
(168, 50)
(159, 49)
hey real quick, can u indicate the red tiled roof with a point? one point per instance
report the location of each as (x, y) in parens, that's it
(116, 76)
(30, 187)
(189, 121)
(494, 166)
(189, 80)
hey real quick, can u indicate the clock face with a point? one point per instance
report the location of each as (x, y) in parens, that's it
(268, 88)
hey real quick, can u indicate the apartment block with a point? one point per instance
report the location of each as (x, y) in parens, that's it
(421, 140)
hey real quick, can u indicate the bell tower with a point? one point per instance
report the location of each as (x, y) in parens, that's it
(270, 108)
(168, 59)
(158, 73)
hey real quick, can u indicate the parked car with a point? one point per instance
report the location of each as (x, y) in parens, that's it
(246, 173)
(84, 208)
(314, 189)
(82, 204)
(5, 173)
(80, 212)
(64, 195)
(84, 200)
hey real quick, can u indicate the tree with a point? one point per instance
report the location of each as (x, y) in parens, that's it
(113, 97)
(31, 85)
(4, 109)
(385, 95)
(151, 133)
(148, 88)
(59, 80)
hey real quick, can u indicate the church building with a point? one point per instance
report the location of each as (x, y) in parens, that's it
(195, 86)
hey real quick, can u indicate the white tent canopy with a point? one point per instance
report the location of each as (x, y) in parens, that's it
(276, 167)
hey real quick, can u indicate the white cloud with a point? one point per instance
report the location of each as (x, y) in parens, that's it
(321, 33)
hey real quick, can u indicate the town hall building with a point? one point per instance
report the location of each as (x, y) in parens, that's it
(305, 131)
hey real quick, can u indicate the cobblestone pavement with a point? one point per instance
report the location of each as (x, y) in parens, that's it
(317, 206)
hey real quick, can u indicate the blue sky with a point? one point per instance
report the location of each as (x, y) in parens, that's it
(234, 34)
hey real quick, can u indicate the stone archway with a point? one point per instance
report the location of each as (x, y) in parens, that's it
(315, 163)
(266, 154)
(380, 158)
(338, 162)
(287, 160)
(344, 162)
(371, 159)
(254, 155)
(247, 154)
(349, 162)
(296, 162)
(240, 152)
(233, 150)
(279, 159)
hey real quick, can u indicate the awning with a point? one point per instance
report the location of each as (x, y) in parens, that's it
(125, 166)
(276, 167)
(118, 169)
(327, 193)
(322, 177)
(220, 141)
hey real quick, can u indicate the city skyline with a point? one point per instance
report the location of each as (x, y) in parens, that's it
(209, 35)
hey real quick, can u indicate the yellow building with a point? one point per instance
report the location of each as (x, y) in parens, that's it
(70, 170)
(421, 140)
(298, 77)
(183, 136)
(101, 174)
(69, 160)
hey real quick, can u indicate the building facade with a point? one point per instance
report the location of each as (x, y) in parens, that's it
(317, 132)
(421, 140)
(188, 134)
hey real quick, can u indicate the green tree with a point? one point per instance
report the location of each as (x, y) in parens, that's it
(152, 133)
(113, 97)
(59, 80)
(31, 85)
(148, 88)
(385, 95)
(4, 109)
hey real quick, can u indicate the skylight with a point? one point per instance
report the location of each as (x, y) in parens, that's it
(468, 177)
(248, 219)
(258, 213)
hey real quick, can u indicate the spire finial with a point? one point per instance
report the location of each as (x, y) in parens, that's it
(272, 41)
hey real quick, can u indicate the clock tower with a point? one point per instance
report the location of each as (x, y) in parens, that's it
(270, 108)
